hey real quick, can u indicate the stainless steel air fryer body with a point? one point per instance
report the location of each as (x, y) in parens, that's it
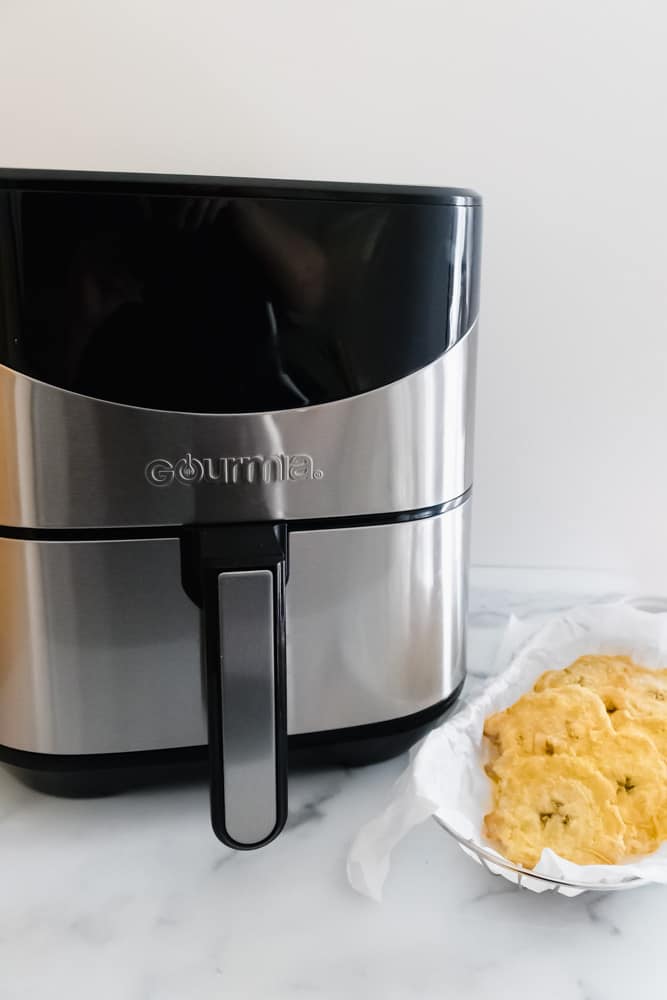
(235, 470)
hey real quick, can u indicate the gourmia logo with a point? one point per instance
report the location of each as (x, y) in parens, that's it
(190, 471)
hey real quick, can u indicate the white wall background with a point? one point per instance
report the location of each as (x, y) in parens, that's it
(554, 110)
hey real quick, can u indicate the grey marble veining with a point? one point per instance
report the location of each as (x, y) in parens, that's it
(131, 898)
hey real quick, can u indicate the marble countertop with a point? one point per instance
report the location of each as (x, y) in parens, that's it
(131, 898)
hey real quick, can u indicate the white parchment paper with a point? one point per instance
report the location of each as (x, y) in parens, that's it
(445, 777)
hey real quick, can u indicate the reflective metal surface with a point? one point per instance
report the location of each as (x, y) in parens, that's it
(100, 647)
(248, 704)
(71, 461)
(375, 620)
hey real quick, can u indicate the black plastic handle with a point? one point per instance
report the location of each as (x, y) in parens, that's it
(243, 574)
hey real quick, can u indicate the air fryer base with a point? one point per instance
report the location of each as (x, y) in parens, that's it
(100, 648)
(94, 775)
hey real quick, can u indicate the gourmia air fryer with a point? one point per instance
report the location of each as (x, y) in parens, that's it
(235, 474)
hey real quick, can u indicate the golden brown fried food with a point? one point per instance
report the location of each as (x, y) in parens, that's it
(639, 700)
(591, 740)
(559, 801)
(632, 763)
(590, 671)
(652, 726)
(618, 680)
(570, 719)
(652, 680)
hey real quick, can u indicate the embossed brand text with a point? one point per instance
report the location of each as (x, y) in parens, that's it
(189, 471)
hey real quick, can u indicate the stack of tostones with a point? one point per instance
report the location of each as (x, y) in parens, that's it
(579, 765)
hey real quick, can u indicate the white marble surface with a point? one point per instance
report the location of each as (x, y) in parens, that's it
(131, 898)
